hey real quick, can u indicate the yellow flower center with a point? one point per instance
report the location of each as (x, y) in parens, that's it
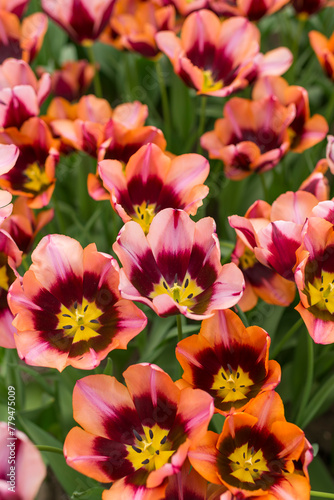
(182, 294)
(232, 385)
(247, 259)
(81, 321)
(150, 451)
(209, 85)
(321, 292)
(247, 465)
(144, 215)
(38, 180)
(4, 280)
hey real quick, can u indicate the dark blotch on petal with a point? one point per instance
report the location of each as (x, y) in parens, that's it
(115, 464)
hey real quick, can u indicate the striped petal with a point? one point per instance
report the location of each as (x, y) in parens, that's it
(278, 243)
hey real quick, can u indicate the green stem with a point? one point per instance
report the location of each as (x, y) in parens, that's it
(179, 327)
(286, 337)
(97, 80)
(330, 110)
(164, 100)
(201, 122)
(51, 449)
(308, 380)
(296, 41)
(322, 494)
(264, 187)
(243, 316)
(13, 377)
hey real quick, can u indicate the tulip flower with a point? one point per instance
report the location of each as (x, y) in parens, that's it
(34, 173)
(330, 152)
(136, 435)
(176, 268)
(8, 157)
(309, 7)
(21, 40)
(261, 281)
(72, 80)
(314, 274)
(317, 183)
(324, 50)
(21, 94)
(23, 224)
(83, 20)
(257, 455)
(275, 243)
(252, 137)
(10, 259)
(253, 9)
(151, 181)
(16, 7)
(134, 24)
(219, 57)
(67, 307)
(28, 466)
(93, 126)
(228, 361)
(304, 131)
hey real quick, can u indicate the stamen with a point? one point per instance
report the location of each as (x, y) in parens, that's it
(138, 450)
(190, 296)
(145, 462)
(164, 439)
(229, 368)
(186, 283)
(94, 321)
(82, 327)
(165, 285)
(256, 461)
(137, 435)
(67, 327)
(150, 433)
(223, 375)
(66, 315)
(75, 305)
(157, 452)
(222, 387)
(86, 307)
(238, 374)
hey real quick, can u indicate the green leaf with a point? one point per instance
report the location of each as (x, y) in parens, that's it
(183, 108)
(68, 478)
(324, 394)
(91, 494)
(320, 478)
(157, 335)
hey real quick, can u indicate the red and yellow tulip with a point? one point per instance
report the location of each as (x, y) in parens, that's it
(67, 307)
(136, 436)
(176, 268)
